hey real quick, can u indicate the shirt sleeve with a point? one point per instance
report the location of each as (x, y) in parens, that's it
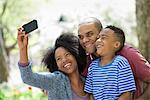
(43, 81)
(23, 65)
(125, 78)
(139, 65)
(142, 66)
(88, 84)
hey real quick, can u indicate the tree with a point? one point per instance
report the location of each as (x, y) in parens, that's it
(3, 64)
(12, 12)
(143, 26)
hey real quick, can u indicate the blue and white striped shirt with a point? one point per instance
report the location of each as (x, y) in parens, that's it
(110, 81)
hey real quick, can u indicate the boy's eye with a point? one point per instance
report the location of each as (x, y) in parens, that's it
(98, 36)
(102, 37)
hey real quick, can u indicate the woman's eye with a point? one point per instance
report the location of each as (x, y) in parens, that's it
(57, 59)
(67, 54)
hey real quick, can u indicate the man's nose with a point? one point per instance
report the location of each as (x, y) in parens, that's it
(85, 39)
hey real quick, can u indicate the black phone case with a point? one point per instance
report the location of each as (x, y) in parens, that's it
(31, 26)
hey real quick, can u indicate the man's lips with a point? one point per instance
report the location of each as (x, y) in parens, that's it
(88, 45)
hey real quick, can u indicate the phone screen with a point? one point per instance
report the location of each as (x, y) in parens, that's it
(31, 26)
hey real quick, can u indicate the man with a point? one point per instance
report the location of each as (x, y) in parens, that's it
(88, 32)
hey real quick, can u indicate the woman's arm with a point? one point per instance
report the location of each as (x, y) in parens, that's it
(43, 81)
(28, 77)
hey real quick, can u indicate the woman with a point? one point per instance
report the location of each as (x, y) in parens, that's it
(64, 61)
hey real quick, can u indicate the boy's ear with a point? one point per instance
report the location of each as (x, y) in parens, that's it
(117, 44)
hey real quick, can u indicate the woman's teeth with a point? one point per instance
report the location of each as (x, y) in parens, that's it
(67, 65)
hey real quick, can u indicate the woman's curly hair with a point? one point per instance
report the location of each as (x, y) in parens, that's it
(71, 43)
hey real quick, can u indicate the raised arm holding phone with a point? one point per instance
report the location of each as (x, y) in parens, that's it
(63, 60)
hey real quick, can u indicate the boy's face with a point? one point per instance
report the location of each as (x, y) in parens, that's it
(87, 35)
(106, 43)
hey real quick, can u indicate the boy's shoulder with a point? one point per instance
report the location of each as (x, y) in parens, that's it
(120, 58)
(121, 61)
(117, 58)
(95, 61)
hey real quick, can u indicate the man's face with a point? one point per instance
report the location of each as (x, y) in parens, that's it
(87, 35)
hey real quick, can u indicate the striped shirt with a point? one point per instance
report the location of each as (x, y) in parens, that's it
(110, 81)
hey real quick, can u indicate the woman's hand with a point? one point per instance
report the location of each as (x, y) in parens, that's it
(22, 40)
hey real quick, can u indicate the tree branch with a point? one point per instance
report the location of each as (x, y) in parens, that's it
(4, 8)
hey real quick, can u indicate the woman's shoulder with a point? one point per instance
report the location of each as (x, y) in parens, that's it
(59, 75)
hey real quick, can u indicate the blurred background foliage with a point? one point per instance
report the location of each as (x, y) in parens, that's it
(55, 17)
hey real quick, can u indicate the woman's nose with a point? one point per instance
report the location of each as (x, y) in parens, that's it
(64, 59)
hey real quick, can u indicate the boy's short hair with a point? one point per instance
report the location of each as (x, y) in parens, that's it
(119, 34)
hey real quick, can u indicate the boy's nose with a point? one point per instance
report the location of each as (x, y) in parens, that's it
(98, 40)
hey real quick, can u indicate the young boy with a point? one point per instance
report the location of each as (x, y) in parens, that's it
(110, 77)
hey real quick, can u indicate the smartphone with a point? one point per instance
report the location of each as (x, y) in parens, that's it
(31, 26)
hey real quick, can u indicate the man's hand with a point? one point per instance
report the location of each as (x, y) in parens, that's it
(125, 96)
(146, 93)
